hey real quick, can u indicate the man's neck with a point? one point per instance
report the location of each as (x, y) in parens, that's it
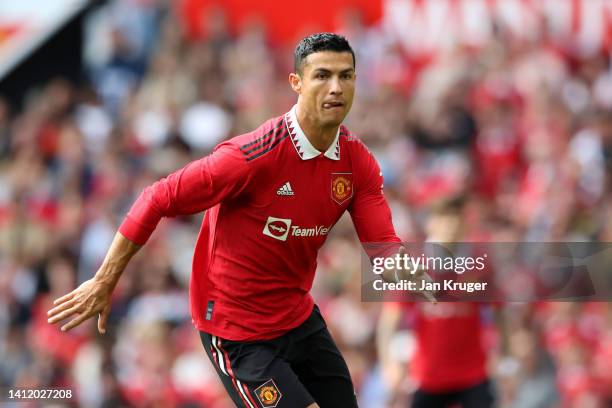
(319, 137)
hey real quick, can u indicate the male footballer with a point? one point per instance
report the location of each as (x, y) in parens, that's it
(271, 197)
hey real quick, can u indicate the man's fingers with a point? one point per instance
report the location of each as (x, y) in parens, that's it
(64, 298)
(77, 320)
(102, 319)
(61, 308)
(429, 296)
(63, 315)
(419, 273)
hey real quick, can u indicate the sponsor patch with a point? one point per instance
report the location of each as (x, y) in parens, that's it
(268, 394)
(281, 229)
(277, 228)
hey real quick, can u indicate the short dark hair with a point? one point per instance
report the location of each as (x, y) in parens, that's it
(317, 43)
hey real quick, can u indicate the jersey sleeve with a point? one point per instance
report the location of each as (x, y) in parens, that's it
(369, 209)
(196, 187)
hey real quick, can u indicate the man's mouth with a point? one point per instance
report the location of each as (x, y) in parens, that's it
(333, 105)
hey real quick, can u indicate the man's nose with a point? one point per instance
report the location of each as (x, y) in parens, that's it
(335, 86)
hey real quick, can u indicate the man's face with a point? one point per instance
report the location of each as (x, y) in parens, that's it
(326, 86)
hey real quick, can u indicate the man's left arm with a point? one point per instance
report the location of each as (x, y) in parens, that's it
(371, 216)
(369, 209)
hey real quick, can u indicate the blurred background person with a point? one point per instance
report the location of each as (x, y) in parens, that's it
(449, 342)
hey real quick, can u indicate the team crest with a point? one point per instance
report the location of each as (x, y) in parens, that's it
(268, 394)
(341, 187)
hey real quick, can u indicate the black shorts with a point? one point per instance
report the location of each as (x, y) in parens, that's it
(294, 370)
(478, 396)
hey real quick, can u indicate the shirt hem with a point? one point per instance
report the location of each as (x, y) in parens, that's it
(254, 336)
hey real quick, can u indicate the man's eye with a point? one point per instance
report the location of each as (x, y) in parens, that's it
(347, 76)
(322, 76)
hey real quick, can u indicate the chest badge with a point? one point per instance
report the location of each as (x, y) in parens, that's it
(341, 187)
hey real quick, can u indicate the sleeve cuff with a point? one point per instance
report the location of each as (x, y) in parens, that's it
(134, 231)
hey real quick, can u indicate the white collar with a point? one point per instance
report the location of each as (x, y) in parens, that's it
(301, 143)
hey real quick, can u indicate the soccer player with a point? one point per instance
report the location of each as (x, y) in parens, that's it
(449, 363)
(271, 197)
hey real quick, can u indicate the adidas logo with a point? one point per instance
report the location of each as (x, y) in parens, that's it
(285, 190)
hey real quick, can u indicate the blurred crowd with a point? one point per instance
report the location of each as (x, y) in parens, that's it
(521, 128)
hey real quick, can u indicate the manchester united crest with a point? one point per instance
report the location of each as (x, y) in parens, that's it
(341, 187)
(268, 394)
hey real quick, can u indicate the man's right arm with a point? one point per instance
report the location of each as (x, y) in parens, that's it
(194, 188)
(392, 370)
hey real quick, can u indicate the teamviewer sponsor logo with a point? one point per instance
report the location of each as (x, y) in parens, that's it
(281, 228)
(277, 228)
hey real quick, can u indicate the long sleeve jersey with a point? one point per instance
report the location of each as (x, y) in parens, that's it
(270, 199)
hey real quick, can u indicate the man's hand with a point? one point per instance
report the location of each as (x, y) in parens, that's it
(93, 296)
(422, 276)
(89, 299)
(419, 276)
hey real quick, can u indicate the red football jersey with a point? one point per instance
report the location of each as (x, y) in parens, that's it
(450, 353)
(271, 199)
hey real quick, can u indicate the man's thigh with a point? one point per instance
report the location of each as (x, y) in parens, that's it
(254, 376)
(423, 399)
(324, 373)
(479, 396)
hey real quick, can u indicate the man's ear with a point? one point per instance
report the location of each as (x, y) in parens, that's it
(296, 82)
